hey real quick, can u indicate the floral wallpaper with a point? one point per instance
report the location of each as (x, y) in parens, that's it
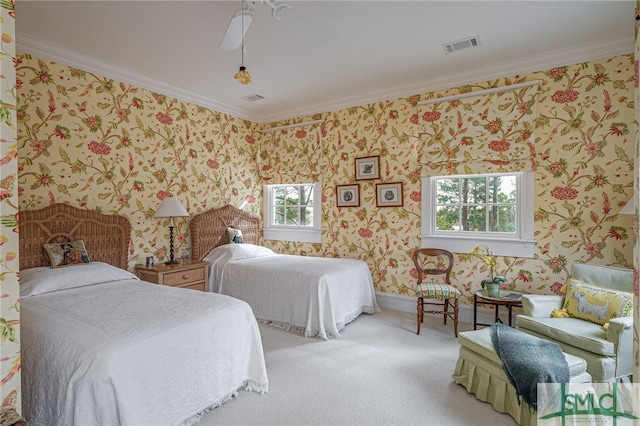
(9, 260)
(96, 143)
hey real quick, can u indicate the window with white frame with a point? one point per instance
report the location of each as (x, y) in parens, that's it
(292, 212)
(460, 212)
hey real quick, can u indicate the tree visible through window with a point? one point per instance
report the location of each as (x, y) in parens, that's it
(292, 205)
(460, 212)
(293, 212)
(479, 203)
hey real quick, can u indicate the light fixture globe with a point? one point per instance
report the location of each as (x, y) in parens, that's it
(243, 75)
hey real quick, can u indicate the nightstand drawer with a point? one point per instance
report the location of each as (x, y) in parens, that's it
(179, 278)
(188, 274)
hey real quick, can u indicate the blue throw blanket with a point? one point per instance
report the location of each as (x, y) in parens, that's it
(528, 360)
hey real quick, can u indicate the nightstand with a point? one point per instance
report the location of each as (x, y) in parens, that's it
(188, 274)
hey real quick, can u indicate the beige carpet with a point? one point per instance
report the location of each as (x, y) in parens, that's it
(378, 373)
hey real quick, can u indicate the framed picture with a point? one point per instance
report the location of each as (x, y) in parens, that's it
(348, 195)
(389, 194)
(368, 168)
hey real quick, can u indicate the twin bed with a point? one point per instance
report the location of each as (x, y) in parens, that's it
(314, 296)
(99, 346)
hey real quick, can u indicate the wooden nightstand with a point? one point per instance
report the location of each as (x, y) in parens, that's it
(189, 274)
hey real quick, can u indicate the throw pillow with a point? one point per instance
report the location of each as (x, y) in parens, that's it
(65, 254)
(596, 304)
(234, 235)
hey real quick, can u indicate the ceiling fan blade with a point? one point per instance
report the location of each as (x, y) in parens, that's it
(303, 24)
(233, 37)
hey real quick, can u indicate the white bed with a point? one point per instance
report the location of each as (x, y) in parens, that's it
(101, 347)
(313, 295)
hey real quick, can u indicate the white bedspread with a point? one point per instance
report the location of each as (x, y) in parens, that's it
(314, 295)
(129, 352)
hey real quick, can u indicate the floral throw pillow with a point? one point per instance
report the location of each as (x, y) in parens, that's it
(65, 254)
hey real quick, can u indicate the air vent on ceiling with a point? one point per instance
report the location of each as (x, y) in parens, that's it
(461, 44)
(253, 98)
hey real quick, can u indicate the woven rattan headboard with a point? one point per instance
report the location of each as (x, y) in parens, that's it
(208, 229)
(106, 237)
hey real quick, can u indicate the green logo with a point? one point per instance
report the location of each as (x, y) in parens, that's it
(563, 404)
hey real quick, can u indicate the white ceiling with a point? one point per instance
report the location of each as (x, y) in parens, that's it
(383, 49)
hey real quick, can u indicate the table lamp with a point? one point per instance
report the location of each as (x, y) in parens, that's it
(170, 207)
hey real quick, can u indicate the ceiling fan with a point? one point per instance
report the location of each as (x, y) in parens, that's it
(282, 12)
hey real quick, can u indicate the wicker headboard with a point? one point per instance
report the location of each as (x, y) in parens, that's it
(106, 237)
(208, 229)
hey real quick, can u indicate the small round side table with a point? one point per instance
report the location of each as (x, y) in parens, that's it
(480, 297)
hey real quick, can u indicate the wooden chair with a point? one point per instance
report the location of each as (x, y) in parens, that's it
(433, 261)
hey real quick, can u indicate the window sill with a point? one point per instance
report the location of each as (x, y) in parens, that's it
(464, 244)
(299, 235)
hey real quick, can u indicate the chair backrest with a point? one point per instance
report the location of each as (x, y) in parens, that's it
(620, 279)
(429, 261)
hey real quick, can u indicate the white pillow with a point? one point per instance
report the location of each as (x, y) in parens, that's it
(41, 280)
(230, 252)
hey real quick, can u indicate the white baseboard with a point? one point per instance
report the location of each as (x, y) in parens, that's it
(400, 303)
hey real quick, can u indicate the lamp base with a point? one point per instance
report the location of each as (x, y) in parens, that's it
(172, 262)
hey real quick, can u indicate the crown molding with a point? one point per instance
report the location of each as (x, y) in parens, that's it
(546, 61)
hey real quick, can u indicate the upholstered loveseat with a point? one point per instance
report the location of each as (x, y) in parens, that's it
(607, 348)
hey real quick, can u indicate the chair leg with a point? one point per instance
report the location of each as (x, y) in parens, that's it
(455, 317)
(420, 313)
(446, 310)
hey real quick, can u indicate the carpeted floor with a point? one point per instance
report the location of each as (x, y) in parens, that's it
(378, 373)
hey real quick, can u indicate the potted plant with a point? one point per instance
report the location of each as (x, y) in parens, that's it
(492, 284)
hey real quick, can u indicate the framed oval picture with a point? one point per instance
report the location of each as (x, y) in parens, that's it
(389, 194)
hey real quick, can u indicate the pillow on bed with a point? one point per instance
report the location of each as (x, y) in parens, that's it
(65, 254)
(41, 280)
(230, 252)
(234, 235)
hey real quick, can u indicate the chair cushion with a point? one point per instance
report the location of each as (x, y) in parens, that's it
(438, 291)
(574, 332)
(596, 304)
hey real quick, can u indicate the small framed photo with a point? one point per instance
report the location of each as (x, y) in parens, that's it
(348, 195)
(368, 168)
(389, 194)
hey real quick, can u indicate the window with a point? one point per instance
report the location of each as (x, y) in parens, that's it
(292, 212)
(460, 212)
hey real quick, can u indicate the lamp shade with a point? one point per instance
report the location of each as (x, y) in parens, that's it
(171, 207)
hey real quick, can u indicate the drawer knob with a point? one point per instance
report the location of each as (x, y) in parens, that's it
(185, 276)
